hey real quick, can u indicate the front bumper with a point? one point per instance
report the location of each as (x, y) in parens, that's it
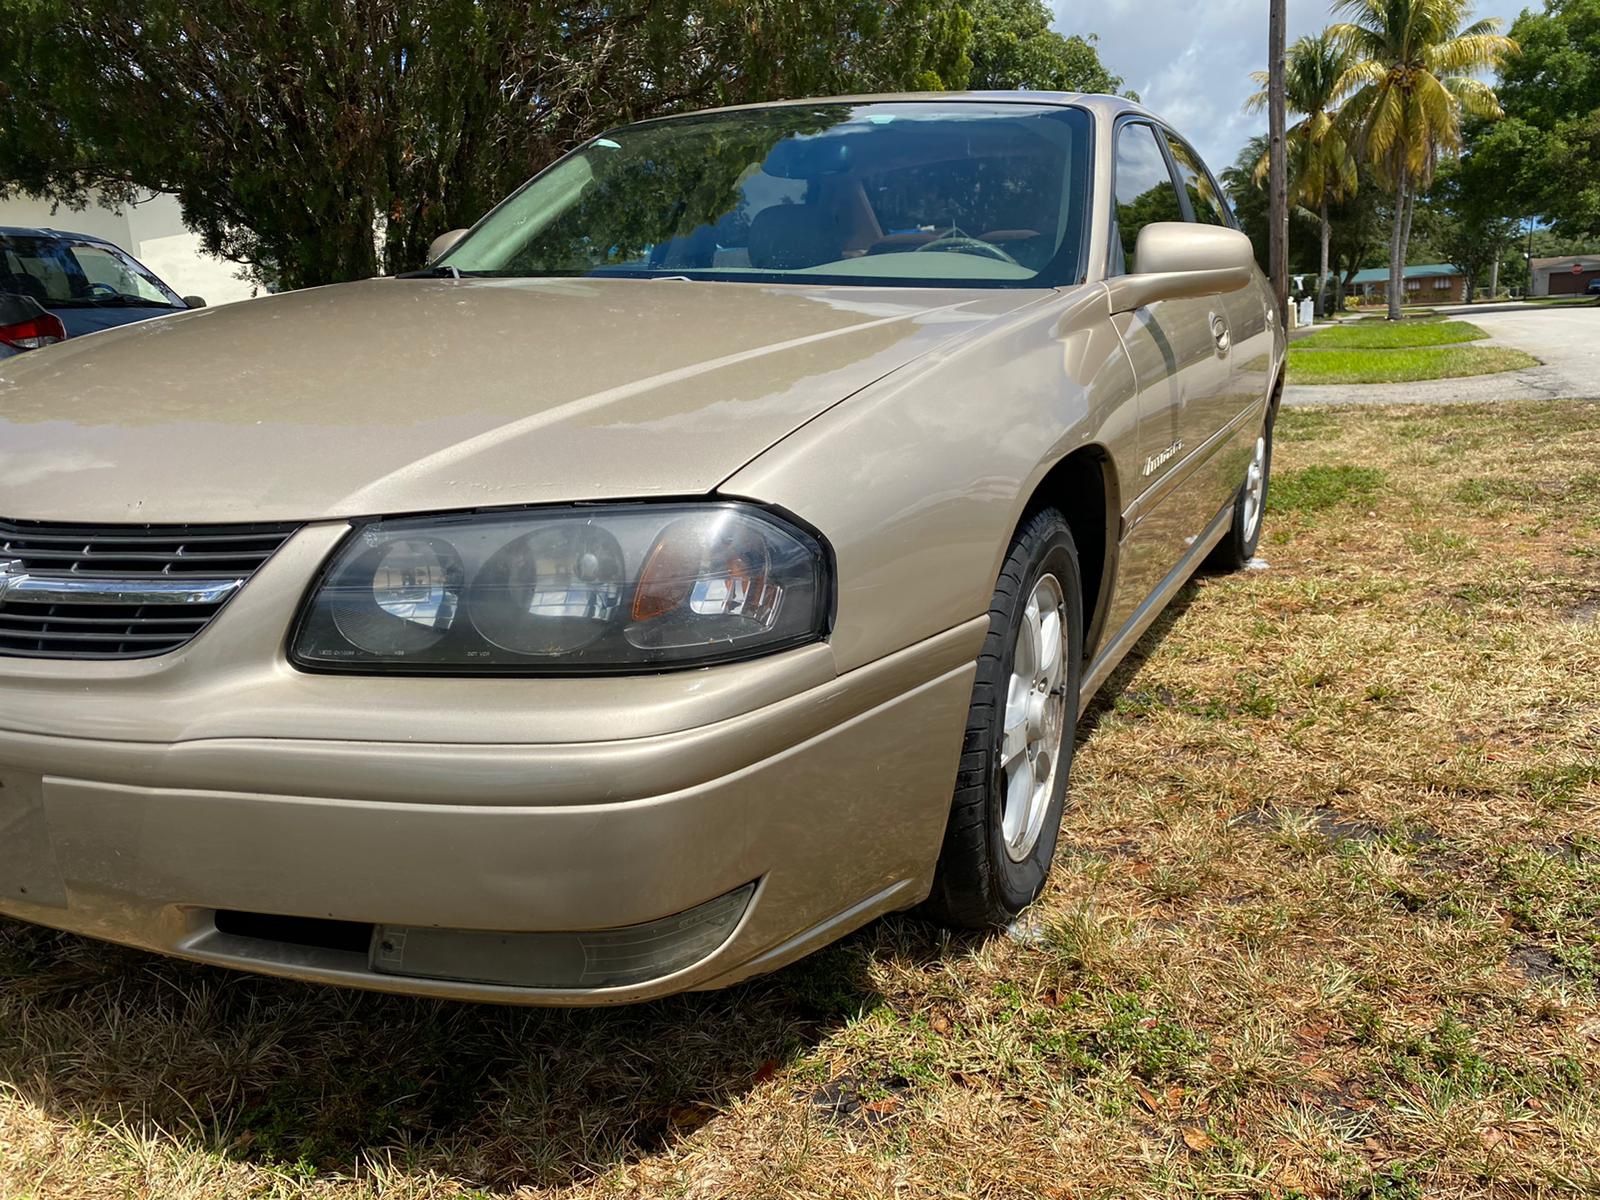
(829, 793)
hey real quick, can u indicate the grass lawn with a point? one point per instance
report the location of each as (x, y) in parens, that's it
(1390, 335)
(1311, 365)
(1325, 923)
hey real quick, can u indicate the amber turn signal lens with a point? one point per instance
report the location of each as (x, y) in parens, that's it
(710, 565)
(664, 582)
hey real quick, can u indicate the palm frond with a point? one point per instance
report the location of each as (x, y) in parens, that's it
(1475, 97)
(1487, 25)
(1465, 54)
(1365, 73)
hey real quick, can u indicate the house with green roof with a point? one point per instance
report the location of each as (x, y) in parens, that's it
(1426, 283)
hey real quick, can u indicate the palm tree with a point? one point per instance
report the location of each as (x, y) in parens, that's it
(1322, 164)
(1413, 75)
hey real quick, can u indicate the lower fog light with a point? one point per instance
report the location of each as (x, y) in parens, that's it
(587, 959)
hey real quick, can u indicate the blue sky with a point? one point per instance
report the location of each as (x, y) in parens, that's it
(1190, 60)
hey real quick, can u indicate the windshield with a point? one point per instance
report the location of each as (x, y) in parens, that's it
(906, 194)
(67, 272)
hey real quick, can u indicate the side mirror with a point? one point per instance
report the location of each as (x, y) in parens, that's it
(195, 301)
(444, 243)
(1176, 260)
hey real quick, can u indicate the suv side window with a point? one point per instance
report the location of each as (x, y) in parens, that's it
(1144, 191)
(1204, 198)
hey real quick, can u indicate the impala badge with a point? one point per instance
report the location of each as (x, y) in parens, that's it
(1156, 461)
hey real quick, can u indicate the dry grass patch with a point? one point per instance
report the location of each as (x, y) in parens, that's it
(1324, 924)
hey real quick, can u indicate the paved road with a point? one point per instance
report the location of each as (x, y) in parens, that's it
(1566, 341)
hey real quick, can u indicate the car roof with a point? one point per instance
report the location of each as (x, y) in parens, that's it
(1098, 103)
(47, 232)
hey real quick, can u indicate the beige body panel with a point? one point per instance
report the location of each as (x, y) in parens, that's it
(909, 427)
(825, 823)
(419, 395)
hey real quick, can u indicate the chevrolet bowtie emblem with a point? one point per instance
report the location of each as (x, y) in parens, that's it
(11, 572)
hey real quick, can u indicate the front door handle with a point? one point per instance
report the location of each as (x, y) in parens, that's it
(1219, 331)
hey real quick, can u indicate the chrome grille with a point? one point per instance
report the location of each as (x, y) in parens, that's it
(120, 591)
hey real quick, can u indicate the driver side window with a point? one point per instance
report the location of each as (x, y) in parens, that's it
(1144, 192)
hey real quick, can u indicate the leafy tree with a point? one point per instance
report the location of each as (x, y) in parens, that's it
(1322, 164)
(1465, 222)
(1013, 46)
(320, 140)
(294, 131)
(1361, 221)
(1413, 77)
(1545, 155)
(1248, 195)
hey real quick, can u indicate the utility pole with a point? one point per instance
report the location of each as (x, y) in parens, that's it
(1278, 163)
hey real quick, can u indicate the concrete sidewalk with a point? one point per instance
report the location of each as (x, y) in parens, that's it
(1566, 341)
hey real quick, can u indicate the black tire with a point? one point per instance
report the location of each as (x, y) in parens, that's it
(1239, 546)
(978, 884)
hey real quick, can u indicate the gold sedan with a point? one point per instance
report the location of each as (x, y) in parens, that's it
(710, 551)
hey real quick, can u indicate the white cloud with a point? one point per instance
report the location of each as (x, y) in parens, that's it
(1191, 62)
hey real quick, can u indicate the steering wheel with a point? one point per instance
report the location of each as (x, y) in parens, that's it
(103, 290)
(957, 242)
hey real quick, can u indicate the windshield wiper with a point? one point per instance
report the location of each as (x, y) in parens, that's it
(109, 302)
(442, 271)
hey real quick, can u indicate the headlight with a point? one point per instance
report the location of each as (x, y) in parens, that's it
(585, 590)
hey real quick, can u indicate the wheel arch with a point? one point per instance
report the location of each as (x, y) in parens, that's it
(1083, 487)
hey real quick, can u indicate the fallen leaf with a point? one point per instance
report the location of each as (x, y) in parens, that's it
(766, 1070)
(1150, 1100)
(883, 1107)
(1174, 1099)
(939, 1023)
(1197, 1140)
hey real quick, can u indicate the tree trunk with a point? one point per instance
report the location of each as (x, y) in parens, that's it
(1411, 211)
(1278, 162)
(1494, 277)
(1321, 308)
(1397, 248)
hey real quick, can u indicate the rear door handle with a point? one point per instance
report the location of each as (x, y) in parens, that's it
(1219, 332)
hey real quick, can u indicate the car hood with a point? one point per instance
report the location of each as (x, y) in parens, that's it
(410, 395)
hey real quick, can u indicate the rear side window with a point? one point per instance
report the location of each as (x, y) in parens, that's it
(35, 270)
(1144, 191)
(1204, 198)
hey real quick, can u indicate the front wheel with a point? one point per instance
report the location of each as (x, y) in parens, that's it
(1021, 727)
(1249, 506)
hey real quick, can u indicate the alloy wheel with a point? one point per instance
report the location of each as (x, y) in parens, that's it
(1035, 714)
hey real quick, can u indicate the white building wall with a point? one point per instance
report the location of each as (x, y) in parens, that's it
(153, 232)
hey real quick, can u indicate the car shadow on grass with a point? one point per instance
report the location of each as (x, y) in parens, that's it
(1105, 700)
(312, 1080)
